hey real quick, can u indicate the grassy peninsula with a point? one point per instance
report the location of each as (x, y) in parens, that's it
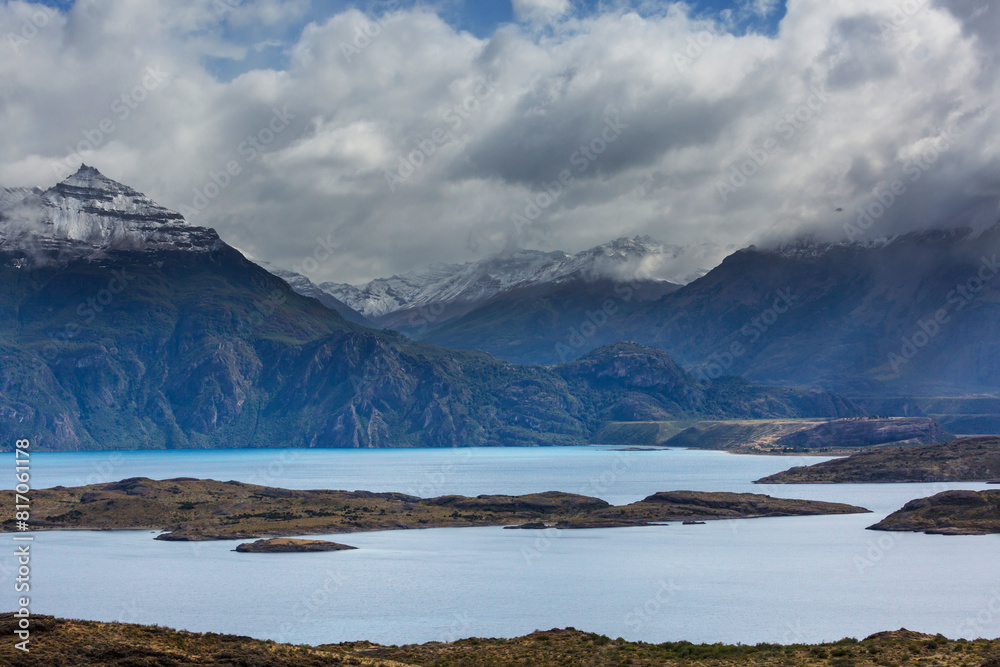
(193, 509)
(778, 436)
(962, 460)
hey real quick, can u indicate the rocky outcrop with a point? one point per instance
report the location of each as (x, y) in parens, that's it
(948, 513)
(90, 215)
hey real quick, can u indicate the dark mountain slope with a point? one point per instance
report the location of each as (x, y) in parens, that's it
(308, 288)
(919, 315)
(209, 350)
(546, 324)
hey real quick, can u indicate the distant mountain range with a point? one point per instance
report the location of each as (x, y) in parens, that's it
(911, 315)
(306, 287)
(422, 303)
(458, 286)
(123, 326)
(524, 306)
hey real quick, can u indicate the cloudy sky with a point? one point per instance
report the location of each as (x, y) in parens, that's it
(405, 134)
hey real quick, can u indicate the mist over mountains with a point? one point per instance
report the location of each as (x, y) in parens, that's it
(444, 291)
(912, 314)
(918, 314)
(903, 95)
(124, 326)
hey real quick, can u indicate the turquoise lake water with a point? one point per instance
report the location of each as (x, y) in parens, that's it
(787, 580)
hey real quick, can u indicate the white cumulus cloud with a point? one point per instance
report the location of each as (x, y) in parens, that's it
(411, 142)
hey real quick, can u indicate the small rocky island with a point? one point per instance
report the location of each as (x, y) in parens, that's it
(962, 460)
(948, 513)
(288, 545)
(203, 509)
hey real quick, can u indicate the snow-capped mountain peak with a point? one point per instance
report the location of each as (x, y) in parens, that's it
(443, 283)
(639, 258)
(89, 214)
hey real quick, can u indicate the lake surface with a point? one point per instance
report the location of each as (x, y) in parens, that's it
(787, 580)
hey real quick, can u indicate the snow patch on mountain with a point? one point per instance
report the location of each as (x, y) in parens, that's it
(89, 215)
(625, 259)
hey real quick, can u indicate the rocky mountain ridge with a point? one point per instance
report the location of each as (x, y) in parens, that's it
(88, 215)
(475, 282)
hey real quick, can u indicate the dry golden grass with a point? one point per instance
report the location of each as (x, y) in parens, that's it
(64, 643)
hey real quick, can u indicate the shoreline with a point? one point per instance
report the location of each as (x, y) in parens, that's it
(593, 445)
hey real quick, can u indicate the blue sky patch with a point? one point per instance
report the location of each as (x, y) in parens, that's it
(267, 45)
